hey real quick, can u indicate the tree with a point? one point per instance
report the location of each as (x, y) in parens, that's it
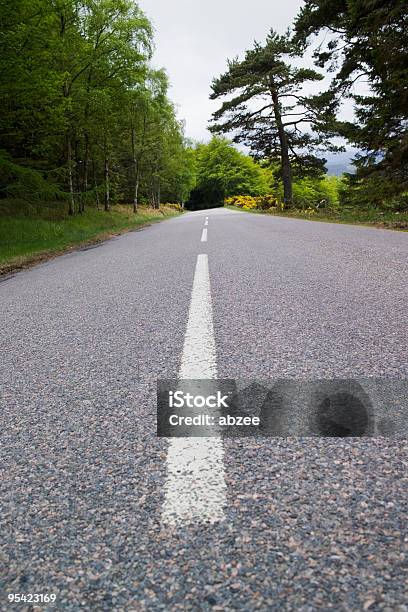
(119, 37)
(367, 40)
(222, 171)
(137, 124)
(267, 109)
(184, 173)
(154, 154)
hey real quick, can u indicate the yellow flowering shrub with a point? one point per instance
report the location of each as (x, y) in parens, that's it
(247, 202)
(174, 206)
(267, 201)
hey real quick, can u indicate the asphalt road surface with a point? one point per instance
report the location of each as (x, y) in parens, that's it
(100, 512)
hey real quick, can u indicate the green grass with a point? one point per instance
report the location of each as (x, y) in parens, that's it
(370, 217)
(29, 235)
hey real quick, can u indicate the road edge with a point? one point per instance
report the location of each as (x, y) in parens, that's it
(375, 225)
(26, 262)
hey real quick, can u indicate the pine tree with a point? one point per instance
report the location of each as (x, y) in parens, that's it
(367, 40)
(267, 111)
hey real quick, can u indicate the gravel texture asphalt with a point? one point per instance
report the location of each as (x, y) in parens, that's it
(311, 524)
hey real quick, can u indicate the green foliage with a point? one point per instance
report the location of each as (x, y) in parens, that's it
(223, 171)
(81, 111)
(314, 192)
(369, 41)
(374, 191)
(25, 183)
(265, 109)
(264, 105)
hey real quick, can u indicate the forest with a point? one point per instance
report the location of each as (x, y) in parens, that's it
(86, 122)
(84, 116)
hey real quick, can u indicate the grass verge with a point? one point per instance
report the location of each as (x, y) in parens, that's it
(27, 238)
(370, 218)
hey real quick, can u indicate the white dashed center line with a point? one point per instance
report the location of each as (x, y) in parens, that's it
(195, 489)
(205, 235)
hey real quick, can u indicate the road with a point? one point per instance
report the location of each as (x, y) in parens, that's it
(91, 495)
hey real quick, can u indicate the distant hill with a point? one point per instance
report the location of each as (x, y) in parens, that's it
(339, 163)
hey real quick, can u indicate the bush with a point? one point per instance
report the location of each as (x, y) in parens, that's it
(266, 202)
(314, 192)
(247, 202)
(25, 183)
(242, 201)
(173, 206)
(372, 193)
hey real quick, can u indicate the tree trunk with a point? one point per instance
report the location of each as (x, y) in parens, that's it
(107, 181)
(98, 204)
(158, 193)
(136, 195)
(86, 164)
(87, 143)
(78, 177)
(152, 193)
(107, 186)
(71, 209)
(136, 173)
(283, 139)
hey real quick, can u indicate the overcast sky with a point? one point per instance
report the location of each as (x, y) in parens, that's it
(194, 38)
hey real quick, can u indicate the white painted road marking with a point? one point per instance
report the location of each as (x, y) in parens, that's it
(206, 222)
(205, 235)
(195, 488)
